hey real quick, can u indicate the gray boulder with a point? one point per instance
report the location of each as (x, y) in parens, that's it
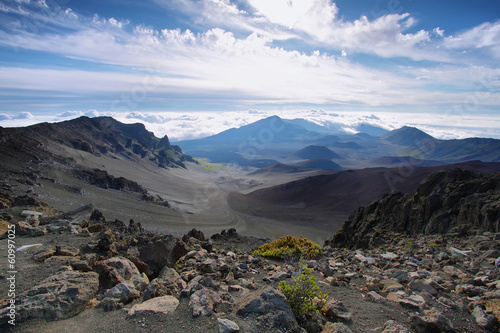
(60, 296)
(270, 308)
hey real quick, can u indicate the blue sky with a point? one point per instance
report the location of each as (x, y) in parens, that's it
(401, 56)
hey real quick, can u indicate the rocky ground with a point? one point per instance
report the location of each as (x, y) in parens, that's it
(78, 272)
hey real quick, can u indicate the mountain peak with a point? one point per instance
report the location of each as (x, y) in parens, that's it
(106, 136)
(407, 136)
(315, 152)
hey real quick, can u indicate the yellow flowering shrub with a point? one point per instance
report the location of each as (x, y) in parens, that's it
(289, 245)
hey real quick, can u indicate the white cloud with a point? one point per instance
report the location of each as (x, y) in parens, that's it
(244, 67)
(289, 13)
(438, 31)
(23, 115)
(485, 36)
(70, 114)
(180, 126)
(92, 113)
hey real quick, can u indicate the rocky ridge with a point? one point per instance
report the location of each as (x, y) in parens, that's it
(98, 136)
(457, 202)
(82, 265)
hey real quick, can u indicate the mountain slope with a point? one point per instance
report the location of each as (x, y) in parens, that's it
(338, 192)
(453, 201)
(98, 136)
(323, 164)
(404, 161)
(371, 129)
(420, 145)
(458, 150)
(315, 152)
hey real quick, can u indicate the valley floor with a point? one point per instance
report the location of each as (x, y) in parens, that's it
(192, 198)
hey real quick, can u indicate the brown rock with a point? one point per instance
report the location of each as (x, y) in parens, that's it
(70, 251)
(431, 321)
(392, 327)
(202, 302)
(44, 254)
(482, 319)
(335, 328)
(117, 270)
(336, 309)
(391, 286)
(421, 286)
(165, 305)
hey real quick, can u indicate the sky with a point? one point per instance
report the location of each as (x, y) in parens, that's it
(190, 68)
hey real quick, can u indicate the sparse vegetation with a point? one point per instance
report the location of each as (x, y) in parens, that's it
(303, 291)
(289, 245)
(209, 166)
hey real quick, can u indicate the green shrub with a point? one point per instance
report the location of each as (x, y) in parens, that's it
(289, 245)
(302, 292)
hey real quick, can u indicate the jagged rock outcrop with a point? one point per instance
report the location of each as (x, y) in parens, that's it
(28, 147)
(456, 201)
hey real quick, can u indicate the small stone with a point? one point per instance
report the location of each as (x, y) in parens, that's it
(70, 251)
(335, 328)
(482, 318)
(392, 327)
(227, 326)
(276, 277)
(208, 266)
(421, 286)
(391, 286)
(389, 256)
(202, 302)
(44, 254)
(336, 309)
(431, 321)
(374, 296)
(165, 305)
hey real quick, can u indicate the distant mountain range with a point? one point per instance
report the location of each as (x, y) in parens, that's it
(276, 140)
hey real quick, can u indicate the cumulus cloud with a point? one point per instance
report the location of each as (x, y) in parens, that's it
(92, 113)
(70, 114)
(235, 60)
(252, 111)
(23, 115)
(154, 118)
(184, 127)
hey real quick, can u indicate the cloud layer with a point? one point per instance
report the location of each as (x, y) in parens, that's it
(239, 54)
(185, 126)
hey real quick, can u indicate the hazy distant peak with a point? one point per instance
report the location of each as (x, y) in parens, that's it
(407, 136)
